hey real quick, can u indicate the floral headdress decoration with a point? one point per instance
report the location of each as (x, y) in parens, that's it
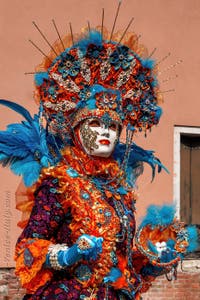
(97, 77)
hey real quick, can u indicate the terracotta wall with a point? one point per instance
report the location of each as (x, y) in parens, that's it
(170, 25)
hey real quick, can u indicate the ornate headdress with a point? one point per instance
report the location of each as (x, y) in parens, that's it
(98, 77)
(88, 75)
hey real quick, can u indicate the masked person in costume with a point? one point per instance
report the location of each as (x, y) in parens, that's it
(78, 240)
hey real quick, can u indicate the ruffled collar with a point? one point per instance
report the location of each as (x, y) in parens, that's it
(84, 164)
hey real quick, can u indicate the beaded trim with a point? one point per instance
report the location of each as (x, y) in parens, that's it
(53, 255)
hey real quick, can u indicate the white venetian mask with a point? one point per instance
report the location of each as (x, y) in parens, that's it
(98, 138)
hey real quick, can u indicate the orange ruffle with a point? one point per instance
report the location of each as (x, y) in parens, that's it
(24, 203)
(35, 275)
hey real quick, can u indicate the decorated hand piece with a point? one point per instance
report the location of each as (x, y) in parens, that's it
(163, 239)
(60, 256)
(89, 246)
(113, 275)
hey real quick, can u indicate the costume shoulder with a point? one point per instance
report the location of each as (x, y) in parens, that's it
(24, 147)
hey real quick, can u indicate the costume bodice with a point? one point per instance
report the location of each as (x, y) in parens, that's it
(97, 202)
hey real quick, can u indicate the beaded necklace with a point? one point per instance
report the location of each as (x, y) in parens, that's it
(124, 214)
(113, 185)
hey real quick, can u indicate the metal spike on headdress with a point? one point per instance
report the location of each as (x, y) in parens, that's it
(29, 73)
(163, 59)
(54, 24)
(70, 26)
(168, 91)
(117, 13)
(169, 78)
(89, 28)
(40, 50)
(138, 37)
(125, 31)
(170, 67)
(102, 21)
(152, 53)
(44, 37)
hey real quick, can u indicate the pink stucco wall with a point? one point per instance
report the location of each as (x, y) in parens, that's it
(170, 25)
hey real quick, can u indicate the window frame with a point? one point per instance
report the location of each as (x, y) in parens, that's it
(178, 130)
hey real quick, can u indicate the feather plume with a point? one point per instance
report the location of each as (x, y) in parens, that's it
(23, 146)
(40, 77)
(93, 37)
(193, 238)
(18, 108)
(135, 161)
(159, 216)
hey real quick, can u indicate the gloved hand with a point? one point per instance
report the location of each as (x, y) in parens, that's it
(87, 247)
(113, 275)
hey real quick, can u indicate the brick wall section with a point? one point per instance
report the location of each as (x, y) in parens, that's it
(186, 287)
(9, 285)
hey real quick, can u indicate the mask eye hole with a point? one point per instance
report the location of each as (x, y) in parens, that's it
(113, 126)
(94, 123)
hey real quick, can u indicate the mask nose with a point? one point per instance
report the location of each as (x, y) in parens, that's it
(105, 131)
(106, 134)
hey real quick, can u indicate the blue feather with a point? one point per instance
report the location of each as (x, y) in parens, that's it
(136, 157)
(148, 63)
(24, 147)
(30, 170)
(18, 108)
(159, 215)
(159, 112)
(39, 78)
(170, 244)
(93, 37)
